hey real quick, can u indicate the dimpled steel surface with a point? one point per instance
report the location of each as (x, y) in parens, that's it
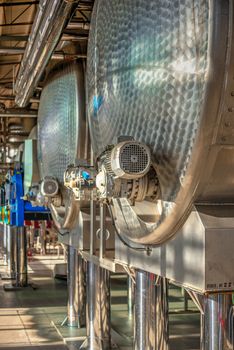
(58, 123)
(147, 68)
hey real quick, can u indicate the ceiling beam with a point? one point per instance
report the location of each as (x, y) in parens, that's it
(22, 3)
(14, 37)
(16, 24)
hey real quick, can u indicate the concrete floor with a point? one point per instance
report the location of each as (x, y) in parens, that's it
(31, 319)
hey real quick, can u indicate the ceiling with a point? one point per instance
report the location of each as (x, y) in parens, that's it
(16, 22)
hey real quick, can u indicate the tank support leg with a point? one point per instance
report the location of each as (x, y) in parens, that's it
(76, 289)
(151, 312)
(98, 309)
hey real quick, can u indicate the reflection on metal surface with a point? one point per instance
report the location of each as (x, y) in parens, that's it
(131, 293)
(162, 320)
(62, 132)
(151, 312)
(50, 20)
(76, 289)
(217, 333)
(98, 309)
(5, 244)
(152, 75)
(11, 236)
(21, 258)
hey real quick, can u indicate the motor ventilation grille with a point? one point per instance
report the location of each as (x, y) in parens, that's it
(134, 158)
(130, 159)
(49, 187)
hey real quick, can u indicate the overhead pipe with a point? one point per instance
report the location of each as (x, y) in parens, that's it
(63, 56)
(18, 114)
(24, 38)
(78, 25)
(12, 50)
(12, 98)
(51, 18)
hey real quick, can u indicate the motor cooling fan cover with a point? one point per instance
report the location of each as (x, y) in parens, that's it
(157, 71)
(62, 131)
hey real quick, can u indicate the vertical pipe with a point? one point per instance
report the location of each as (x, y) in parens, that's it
(102, 250)
(98, 309)
(162, 313)
(130, 290)
(21, 257)
(76, 291)
(145, 311)
(104, 305)
(217, 333)
(42, 232)
(92, 312)
(10, 249)
(5, 244)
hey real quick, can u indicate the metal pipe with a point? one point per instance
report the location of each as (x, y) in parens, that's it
(76, 289)
(50, 20)
(145, 311)
(130, 289)
(21, 257)
(217, 333)
(42, 233)
(97, 309)
(13, 37)
(104, 304)
(92, 310)
(10, 249)
(63, 56)
(78, 25)
(162, 312)
(18, 115)
(24, 38)
(5, 244)
(12, 50)
(12, 98)
(102, 248)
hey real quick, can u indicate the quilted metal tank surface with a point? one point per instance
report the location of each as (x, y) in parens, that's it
(156, 71)
(61, 124)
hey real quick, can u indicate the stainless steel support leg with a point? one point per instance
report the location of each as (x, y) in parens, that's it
(216, 317)
(21, 257)
(98, 309)
(145, 311)
(162, 320)
(104, 305)
(130, 289)
(76, 289)
(10, 249)
(5, 244)
(42, 232)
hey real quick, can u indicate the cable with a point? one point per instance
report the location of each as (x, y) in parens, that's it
(119, 236)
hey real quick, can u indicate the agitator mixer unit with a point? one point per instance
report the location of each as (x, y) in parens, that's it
(160, 112)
